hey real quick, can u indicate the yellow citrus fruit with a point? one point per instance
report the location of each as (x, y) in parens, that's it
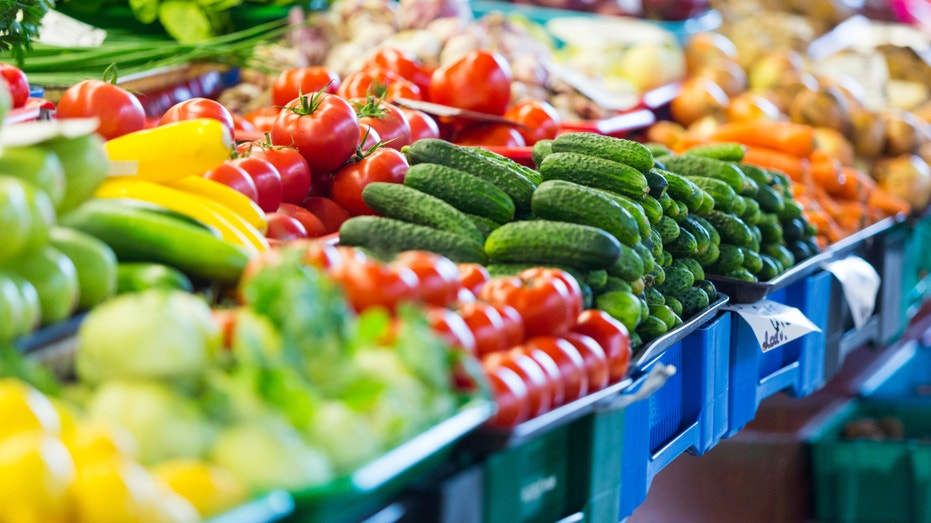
(211, 489)
(114, 491)
(25, 409)
(36, 478)
(94, 441)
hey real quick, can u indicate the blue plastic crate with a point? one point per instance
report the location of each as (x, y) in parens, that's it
(687, 414)
(903, 378)
(796, 367)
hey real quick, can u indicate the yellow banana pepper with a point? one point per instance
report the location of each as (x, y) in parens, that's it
(226, 196)
(175, 150)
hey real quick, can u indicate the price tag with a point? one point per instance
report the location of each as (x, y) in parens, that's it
(860, 282)
(63, 31)
(773, 323)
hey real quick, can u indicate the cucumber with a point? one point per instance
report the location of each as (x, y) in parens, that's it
(595, 172)
(683, 210)
(678, 279)
(675, 305)
(550, 242)
(657, 149)
(613, 283)
(757, 237)
(724, 196)
(731, 228)
(484, 225)
(769, 268)
(657, 275)
(652, 208)
(596, 279)
(693, 300)
(512, 182)
(668, 229)
(802, 249)
(400, 202)
(654, 297)
(781, 253)
(684, 245)
(760, 176)
(692, 265)
(622, 306)
(707, 203)
(657, 244)
(790, 210)
(731, 257)
(634, 208)
(628, 266)
(657, 182)
(628, 152)
(672, 209)
(638, 285)
(94, 262)
(139, 276)
(569, 202)
(541, 150)
(645, 256)
(770, 229)
(710, 229)
(770, 200)
(752, 215)
(504, 161)
(644, 309)
(726, 152)
(701, 166)
(665, 314)
(709, 289)
(389, 237)
(741, 274)
(667, 203)
(702, 236)
(793, 229)
(752, 260)
(751, 188)
(469, 194)
(635, 341)
(709, 256)
(683, 190)
(665, 261)
(651, 328)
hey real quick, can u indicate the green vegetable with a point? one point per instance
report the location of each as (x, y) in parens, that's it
(401, 202)
(569, 202)
(551, 242)
(618, 150)
(469, 194)
(390, 237)
(19, 24)
(595, 172)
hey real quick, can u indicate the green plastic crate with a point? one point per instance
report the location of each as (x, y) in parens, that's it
(873, 481)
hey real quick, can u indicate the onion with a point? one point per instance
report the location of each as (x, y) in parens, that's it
(835, 144)
(868, 133)
(751, 106)
(903, 132)
(698, 98)
(906, 176)
(766, 71)
(825, 107)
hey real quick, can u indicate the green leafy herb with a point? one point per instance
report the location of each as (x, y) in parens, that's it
(19, 24)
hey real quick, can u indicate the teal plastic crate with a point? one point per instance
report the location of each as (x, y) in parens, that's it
(903, 378)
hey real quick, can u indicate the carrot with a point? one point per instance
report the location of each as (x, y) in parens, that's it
(687, 140)
(766, 158)
(787, 137)
(854, 215)
(887, 202)
(855, 185)
(827, 174)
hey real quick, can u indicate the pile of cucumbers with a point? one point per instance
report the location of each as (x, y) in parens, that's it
(637, 236)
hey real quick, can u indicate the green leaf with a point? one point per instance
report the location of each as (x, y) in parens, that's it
(185, 21)
(146, 11)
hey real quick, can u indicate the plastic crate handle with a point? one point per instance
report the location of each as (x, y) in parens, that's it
(655, 379)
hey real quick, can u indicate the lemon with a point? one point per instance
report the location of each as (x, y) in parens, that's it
(114, 491)
(25, 409)
(211, 489)
(36, 478)
(94, 441)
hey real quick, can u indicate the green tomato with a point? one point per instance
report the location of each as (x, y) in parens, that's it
(36, 165)
(42, 218)
(11, 309)
(85, 163)
(94, 261)
(15, 217)
(54, 277)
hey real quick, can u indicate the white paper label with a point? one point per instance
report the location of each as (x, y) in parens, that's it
(860, 282)
(773, 323)
(63, 31)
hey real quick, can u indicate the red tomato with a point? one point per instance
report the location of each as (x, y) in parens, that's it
(319, 254)
(403, 64)
(368, 136)
(292, 83)
(263, 119)
(371, 81)
(545, 303)
(514, 331)
(284, 227)
(531, 373)
(119, 111)
(487, 327)
(386, 119)
(438, 275)
(497, 134)
(402, 88)
(451, 328)
(235, 177)
(328, 211)
(571, 284)
(571, 364)
(479, 81)
(198, 108)
(241, 124)
(465, 296)
(557, 390)
(473, 276)
(539, 118)
(510, 394)
(17, 82)
(422, 124)
(267, 180)
(292, 168)
(372, 284)
(613, 337)
(382, 165)
(323, 127)
(596, 364)
(311, 223)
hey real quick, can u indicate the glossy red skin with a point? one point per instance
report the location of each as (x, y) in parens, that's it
(514, 330)
(17, 82)
(451, 328)
(545, 303)
(119, 111)
(267, 180)
(596, 364)
(263, 119)
(383, 165)
(613, 338)
(292, 83)
(292, 168)
(575, 291)
(511, 395)
(539, 393)
(326, 137)
(487, 326)
(492, 134)
(320, 254)
(368, 137)
(392, 127)
(329, 212)
(540, 119)
(480, 81)
(369, 81)
(552, 370)
(235, 177)
(473, 276)
(372, 284)
(438, 275)
(199, 108)
(571, 364)
(311, 223)
(422, 124)
(284, 227)
(405, 65)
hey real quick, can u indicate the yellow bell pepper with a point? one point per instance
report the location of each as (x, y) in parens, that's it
(224, 195)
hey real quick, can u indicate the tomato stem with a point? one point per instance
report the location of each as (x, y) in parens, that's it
(111, 74)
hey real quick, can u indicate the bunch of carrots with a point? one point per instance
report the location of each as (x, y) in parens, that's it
(839, 200)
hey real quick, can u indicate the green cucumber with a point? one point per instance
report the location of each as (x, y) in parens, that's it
(724, 196)
(760, 176)
(701, 166)
(675, 305)
(613, 283)
(707, 203)
(646, 256)
(726, 152)
(625, 307)
(657, 275)
(652, 207)
(684, 245)
(668, 229)
(678, 279)
(752, 260)
(484, 225)
(595, 172)
(770, 200)
(740, 274)
(469, 194)
(620, 150)
(752, 215)
(656, 241)
(569, 202)
(710, 256)
(654, 297)
(769, 268)
(651, 328)
(683, 190)
(771, 230)
(541, 150)
(708, 287)
(710, 229)
(551, 242)
(693, 300)
(504, 161)
(390, 237)
(666, 314)
(731, 228)
(780, 253)
(702, 236)
(657, 149)
(628, 266)
(731, 257)
(692, 265)
(400, 202)
(596, 279)
(657, 182)
(140, 276)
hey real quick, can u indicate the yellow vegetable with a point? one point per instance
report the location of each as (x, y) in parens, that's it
(95, 441)
(172, 151)
(114, 491)
(36, 478)
(23, 408)
(211, 489)
(226, 196)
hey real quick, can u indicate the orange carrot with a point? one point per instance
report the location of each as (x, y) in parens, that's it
(787, 137)
(887, 202)
(855, 184)
(826, 173)
(766, 158)
(854, 215)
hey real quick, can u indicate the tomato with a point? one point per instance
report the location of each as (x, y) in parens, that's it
(438, 275)
(323, 127)
(319, 254)
(17, 82)
(450, 326)
(514, 331)
(596, 364)
(198, 108)
(284, 227)
(291, 166)
(487, 327)
(465, 295)
(403, 64)
(381, 165)
(235, 177)
(422, 124)
(479, 81)
(293, 83)
(545, 303)
(329, 212)
(380, 83)
(539, 395)
(402, 88)
(557, 390)
(472, 276)
(263, 119)
(369, 283)
(267, 180)
(571, 284)
(119, 111)
(368, 137)
(311, 223)
(539, 118)
(386, 119)
(570, 361)
(613, 337)
(497, 134)
(241, 124)
(510, 394)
